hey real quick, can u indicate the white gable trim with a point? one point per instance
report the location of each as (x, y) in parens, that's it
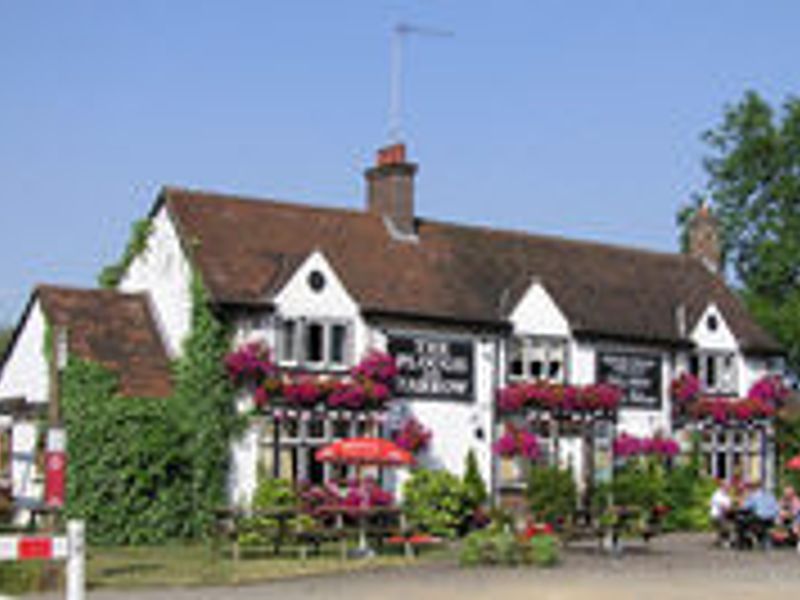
(538, 314)
(706, 338)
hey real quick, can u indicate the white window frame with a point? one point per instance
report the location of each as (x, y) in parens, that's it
(531, 345)
(726, 383)
(301, 327)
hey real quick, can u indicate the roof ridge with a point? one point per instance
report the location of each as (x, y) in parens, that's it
(550, 237)
(281, 203)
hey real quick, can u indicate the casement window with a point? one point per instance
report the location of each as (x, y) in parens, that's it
(315, 343)
(715, 370)
(537, 358)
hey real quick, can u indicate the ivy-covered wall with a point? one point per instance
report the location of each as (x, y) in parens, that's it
(145, 470)
(129, 470)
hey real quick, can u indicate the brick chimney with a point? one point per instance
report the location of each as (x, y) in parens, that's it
(390, 189)
(703, 239)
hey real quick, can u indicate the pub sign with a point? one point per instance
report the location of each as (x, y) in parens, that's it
(638, 375)
(432, 367)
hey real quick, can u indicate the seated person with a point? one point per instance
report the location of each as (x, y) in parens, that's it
(763, 509)
(719, 509)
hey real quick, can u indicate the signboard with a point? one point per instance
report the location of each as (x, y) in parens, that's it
(55, 467)
(432, 367)
(637, 375)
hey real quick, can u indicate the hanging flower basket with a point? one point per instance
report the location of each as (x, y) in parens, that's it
(559, 398)
(368, 386)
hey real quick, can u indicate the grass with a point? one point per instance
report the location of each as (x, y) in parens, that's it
(191, 565)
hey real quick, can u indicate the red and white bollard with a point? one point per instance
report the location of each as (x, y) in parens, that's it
(71, 548)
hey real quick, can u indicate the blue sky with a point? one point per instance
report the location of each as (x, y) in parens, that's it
(570, 118)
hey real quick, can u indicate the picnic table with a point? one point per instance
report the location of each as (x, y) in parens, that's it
(336, 523)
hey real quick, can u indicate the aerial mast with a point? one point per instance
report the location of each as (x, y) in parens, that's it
(400, 32)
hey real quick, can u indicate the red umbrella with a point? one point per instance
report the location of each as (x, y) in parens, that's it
(794, 464)
(365, 451)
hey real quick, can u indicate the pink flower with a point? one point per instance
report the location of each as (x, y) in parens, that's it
(685, 388)
(412, 436)
(626, 445)
(517, 442)
(250, 363)
(376, 366)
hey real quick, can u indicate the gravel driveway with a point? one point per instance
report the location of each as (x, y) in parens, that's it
(679, 566)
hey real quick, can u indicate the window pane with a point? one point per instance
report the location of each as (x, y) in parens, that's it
(314, 342)
(711, 372)
(288, 332)
(536, 368)
(338, 341)
(554, 370)
(515, 364)
(694, 365)
(316, 428)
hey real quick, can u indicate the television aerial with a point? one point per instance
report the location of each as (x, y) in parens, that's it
(399, 33)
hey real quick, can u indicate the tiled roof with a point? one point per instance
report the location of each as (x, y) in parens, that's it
(115, 330)
(246, 249)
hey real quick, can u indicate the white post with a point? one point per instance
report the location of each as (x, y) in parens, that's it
(76, 560)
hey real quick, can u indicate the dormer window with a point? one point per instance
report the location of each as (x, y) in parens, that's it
(533, 357)
(315, 343)
(715, 370)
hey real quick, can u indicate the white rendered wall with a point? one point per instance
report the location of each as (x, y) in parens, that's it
(25, 374)
(163, 271)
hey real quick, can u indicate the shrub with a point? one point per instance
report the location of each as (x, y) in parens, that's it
(474, 486)
(435, 502)
(544, 550)
(552, 495)
(688, 492)
(274, 493)
(495, 546)
(640, 483)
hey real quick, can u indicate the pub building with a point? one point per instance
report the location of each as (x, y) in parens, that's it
(465, 310)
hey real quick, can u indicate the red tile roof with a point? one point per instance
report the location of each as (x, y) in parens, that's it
(115, 330)
(246, 249)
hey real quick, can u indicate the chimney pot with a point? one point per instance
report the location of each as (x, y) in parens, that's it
(392, 155)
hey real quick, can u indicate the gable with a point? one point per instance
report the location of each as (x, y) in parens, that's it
(538, 314)
(711, 331)
(315, 290)
(24, 373)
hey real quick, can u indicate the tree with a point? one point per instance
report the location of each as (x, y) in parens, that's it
(753, 186)
(5, 338)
